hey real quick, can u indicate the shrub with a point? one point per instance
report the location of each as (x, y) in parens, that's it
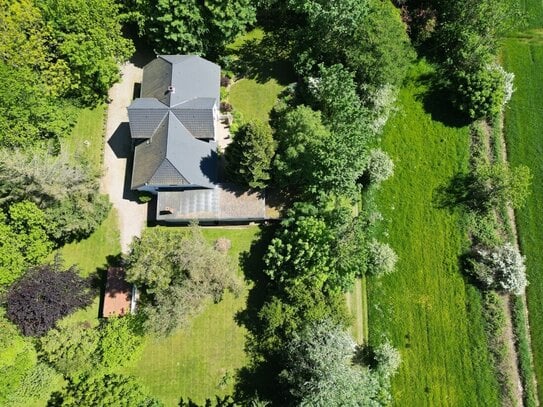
(226, 107)
(222, 244)
(482, 92)
(380, 166)
(225, 81)
(381, 258)
(388, 359)
(501, 268)
(144, 197)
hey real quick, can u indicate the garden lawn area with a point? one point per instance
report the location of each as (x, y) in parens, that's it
(87, 139)
(91, 254)
(523, 131)
(254, 100)
(425, 308)
(200, 361)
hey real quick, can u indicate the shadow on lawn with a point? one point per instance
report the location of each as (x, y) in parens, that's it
(259, 377)
(463, 192)
(261, 60)
(437, 102)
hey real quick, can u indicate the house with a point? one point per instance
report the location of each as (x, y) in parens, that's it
(174, 125)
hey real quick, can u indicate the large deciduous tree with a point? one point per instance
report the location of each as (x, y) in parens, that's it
(249, 156)
(43, 296)
(66, 192)
(87, 35)
(107, 390)
(195, 27)
(177, 274)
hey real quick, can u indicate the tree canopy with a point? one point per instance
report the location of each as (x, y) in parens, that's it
(177, 274)
(43, 296)
(249, 156)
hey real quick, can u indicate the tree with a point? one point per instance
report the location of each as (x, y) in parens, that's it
(109, 390)
(300, 251)
(249, 156)
(72, 351)
(17, 360)
(43, 296)
(320, 369)
(501, 268)
(380, 166)
(177, 274)
(367, 37)
(30, 116)
(66, 192)
(87, 35)
(481, 93)
(181, 27)
(497, 184)
(26, 42)
(381, 258)
(300, 136)
(23, 240)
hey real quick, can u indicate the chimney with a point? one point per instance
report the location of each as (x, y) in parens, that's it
(171, 89)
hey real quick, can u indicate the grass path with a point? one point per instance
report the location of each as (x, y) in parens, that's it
(357, 305)
(426, 308)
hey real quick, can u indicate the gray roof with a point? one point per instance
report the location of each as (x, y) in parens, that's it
(191, 76)
(173, 157)
(197, 91)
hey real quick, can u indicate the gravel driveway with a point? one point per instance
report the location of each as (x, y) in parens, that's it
(117, 154)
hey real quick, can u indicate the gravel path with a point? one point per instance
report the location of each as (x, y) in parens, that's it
(117, 154)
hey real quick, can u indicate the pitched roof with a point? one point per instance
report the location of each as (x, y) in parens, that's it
(173, 157)
(190, 75)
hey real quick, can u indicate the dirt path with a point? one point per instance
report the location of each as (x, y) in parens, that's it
(117, 153)
(509, 361)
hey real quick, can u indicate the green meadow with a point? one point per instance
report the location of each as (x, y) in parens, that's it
(426, 308)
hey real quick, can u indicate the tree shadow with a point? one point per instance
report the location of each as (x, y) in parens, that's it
(260, 377)
(463, 192)
(436, 100)
(261, 60)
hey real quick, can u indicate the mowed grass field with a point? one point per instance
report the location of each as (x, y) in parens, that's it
(425, 308)
(524, 132)
(200, 361)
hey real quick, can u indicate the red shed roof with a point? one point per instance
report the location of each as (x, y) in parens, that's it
(118, 294)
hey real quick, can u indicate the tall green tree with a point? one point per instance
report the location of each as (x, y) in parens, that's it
(249, 156)
(177, 275)
(110, 390)
(195, 27)
(87, 35)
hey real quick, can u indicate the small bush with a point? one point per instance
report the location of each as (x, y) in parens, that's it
(226, 107)
(222, 244)
(225, 81)
(381, 258)
(380, 166)
(144, 197)
(388, 359)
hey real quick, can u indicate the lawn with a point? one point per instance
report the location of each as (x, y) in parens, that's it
(200, 361)
(426, 309)
(254, 100)
(524, 128)
(262, 79)
(87, 139)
